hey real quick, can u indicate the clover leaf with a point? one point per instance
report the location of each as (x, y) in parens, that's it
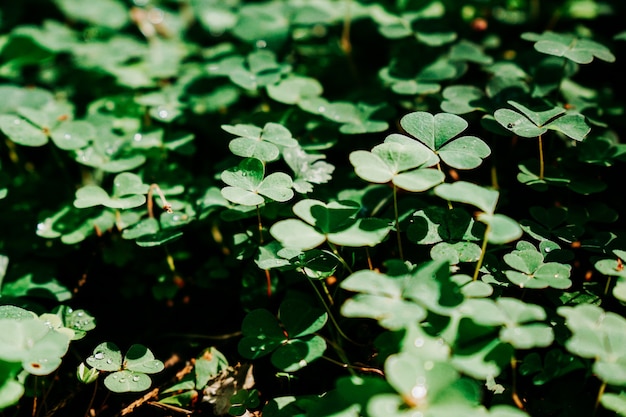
(294, 88)
(308, 168)
(579, 50)
(263, 144)
(354, 118)
(381, 297)
(439, 133)
(334, 221)
(293, 344)
(502, 229)
(33, 342)
(248, 186)
(462, 99)
(129, 374)
(615, 267)
(530, 271)
(399, 160)
(533, 123)
(128, 192)
(597, 334)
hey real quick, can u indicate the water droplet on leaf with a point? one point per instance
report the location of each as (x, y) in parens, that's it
(98, 355)
(419, 342)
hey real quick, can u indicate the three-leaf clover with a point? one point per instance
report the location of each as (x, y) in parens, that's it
(530, 271)
(248, 185)
(530, 123)
(261, 143)
(128, 374)
(579, 50)
(334, 221)
(440, 133)
(400, 160)
(291, 341)
(128, 192)
(599, 335)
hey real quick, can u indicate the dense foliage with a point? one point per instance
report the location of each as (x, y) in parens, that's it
(312, 207)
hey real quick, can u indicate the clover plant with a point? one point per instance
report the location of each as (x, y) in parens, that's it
(325, 208)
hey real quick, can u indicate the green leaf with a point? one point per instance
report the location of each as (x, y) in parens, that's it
(21, 131)
(127, 381)
(140, 359)
(261, 334)
(294, 233)
(295, 354)
(300, 318)
(247, 184)
(294, 88)
(73, 134)
(518, 123)
(466, 192)
(614, 402)
(106, 357)
(111, 14)
(597, 334)
(579, 50)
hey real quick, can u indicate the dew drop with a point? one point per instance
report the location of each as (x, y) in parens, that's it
(98, 355)
(109, 361)
(137, 137)
(122, 380)
(163, 113)
(135, 378)
(419, 342)
(419, 392)
(17, 121)
(261, 44)
(42, 226)
(428, 365)
(67, 136)
(321, 109)
(548, 250)
(521, 285)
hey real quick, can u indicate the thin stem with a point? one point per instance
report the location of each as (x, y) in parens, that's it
(346, 44)
(339, 257)
(608, 284)
(516, 399)
(93, 397)
(258, 218)
(330, 314)
(541, 165)
(370, 265)
(164, 204)
(483, 250)
(34, 411)
(268, 281)
(397, 218)
(360, 368)
(599, 398)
